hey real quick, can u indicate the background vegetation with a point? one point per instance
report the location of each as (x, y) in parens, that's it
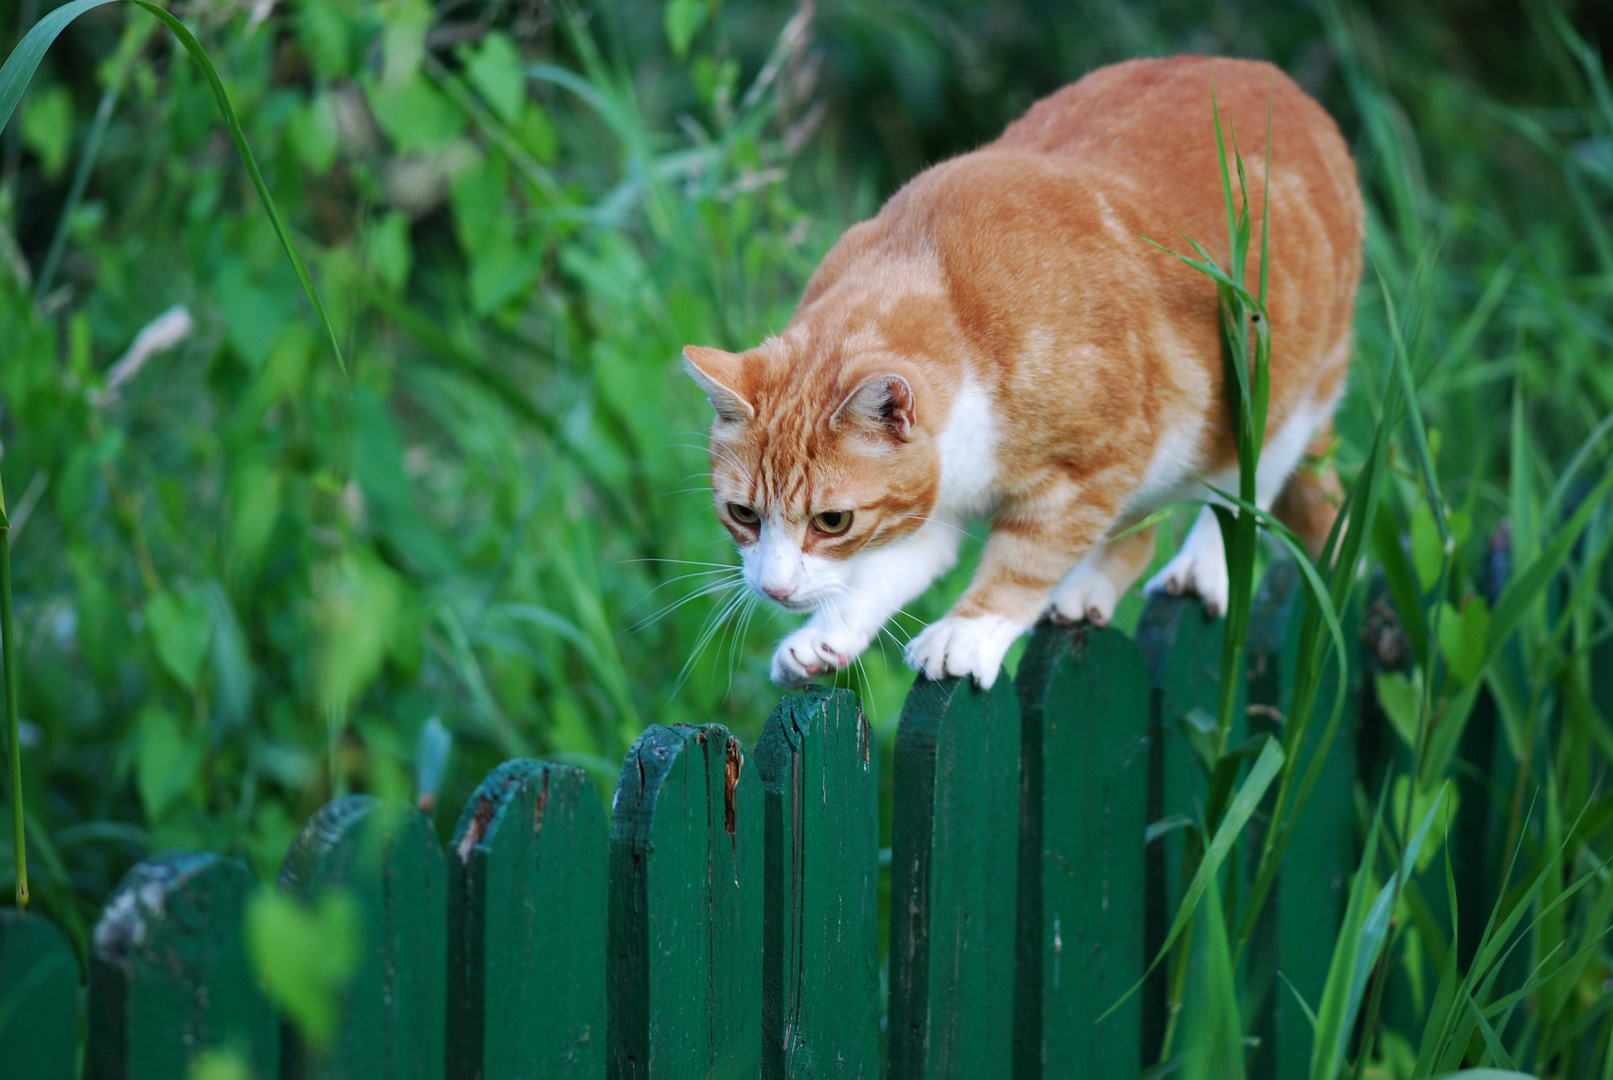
(246, 583)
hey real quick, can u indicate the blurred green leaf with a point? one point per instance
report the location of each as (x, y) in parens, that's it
(1401, 702)
(255, 504)
(254, 311)
(166, 760)
(388, 250)
(478, 193)
(327, 38)
(305, 957)
(311, 128)
(403, 39)
(359, 600)
(683, 18)
(180, 625)
(220, 1065)
(413, 114)
(1463, 637)
(494, 69)
(230, 661)
(1427, 548)
(499, 272)
(537, 134)
(1422, 806)
(47, 127)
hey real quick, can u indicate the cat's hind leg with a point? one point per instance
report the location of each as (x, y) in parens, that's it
(1309, 502)
(1201, 566)
(1091, 591)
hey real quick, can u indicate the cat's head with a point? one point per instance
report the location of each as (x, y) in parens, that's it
(813, 466)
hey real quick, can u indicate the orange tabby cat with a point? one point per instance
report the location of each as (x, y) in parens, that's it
(1000, 340)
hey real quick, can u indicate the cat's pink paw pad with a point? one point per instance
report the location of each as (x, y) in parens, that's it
(957, 646)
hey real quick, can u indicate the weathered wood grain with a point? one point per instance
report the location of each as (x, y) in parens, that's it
(386, 856)
(820, 990)
(169, 977)
(684, 974)
(526, 943)
(38, 1000)
(1083, 696)
(954, 856)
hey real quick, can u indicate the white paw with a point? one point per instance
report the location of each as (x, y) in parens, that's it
(964, 646)
(1086, 594)
(1199, 568)
(815, 650)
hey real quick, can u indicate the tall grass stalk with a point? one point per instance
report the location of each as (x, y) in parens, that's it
(8, 656)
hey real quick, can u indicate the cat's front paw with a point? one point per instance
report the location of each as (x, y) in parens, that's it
(815, 650)
(964, 646)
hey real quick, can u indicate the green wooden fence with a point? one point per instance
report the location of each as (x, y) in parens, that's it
(726, 921)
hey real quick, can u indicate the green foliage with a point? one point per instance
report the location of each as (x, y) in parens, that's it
(247, 581)
(305, 956)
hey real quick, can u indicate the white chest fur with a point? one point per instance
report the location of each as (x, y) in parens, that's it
(968, 448)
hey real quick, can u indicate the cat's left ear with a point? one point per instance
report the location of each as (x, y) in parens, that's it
(883, 404)
(715, 371)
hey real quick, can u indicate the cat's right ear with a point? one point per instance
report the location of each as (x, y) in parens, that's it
(715, 371)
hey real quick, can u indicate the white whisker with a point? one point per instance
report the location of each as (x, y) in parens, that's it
(713, 589)
(713, 624)
(730, 575)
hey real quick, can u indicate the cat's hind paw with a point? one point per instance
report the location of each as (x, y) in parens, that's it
(1199, 568)
(962, 646)
(1087, 595)
(812, 651)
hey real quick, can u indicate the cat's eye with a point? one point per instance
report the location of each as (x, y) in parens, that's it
(833, 522)
(743, 514)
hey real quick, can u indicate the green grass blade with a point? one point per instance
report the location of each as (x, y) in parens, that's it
(1333, 1018)
(19, 69)
(1304, 1006)
(1403, 588)
(1220, 1048)
(1341, 554)
(8, 655)
(1375, 927)
(1261, 774)
(1530, 583)
(1414, 418)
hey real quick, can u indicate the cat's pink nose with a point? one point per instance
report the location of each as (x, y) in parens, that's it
(779, 592)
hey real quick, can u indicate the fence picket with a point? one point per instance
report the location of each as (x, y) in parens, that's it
(954, 853)
(1182, 648)
(38, 1000)
(685, 963)
(820, 989)
(385, 855)
(169, 978)
(1084, 696)
(1303, 911)
(526, 903)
